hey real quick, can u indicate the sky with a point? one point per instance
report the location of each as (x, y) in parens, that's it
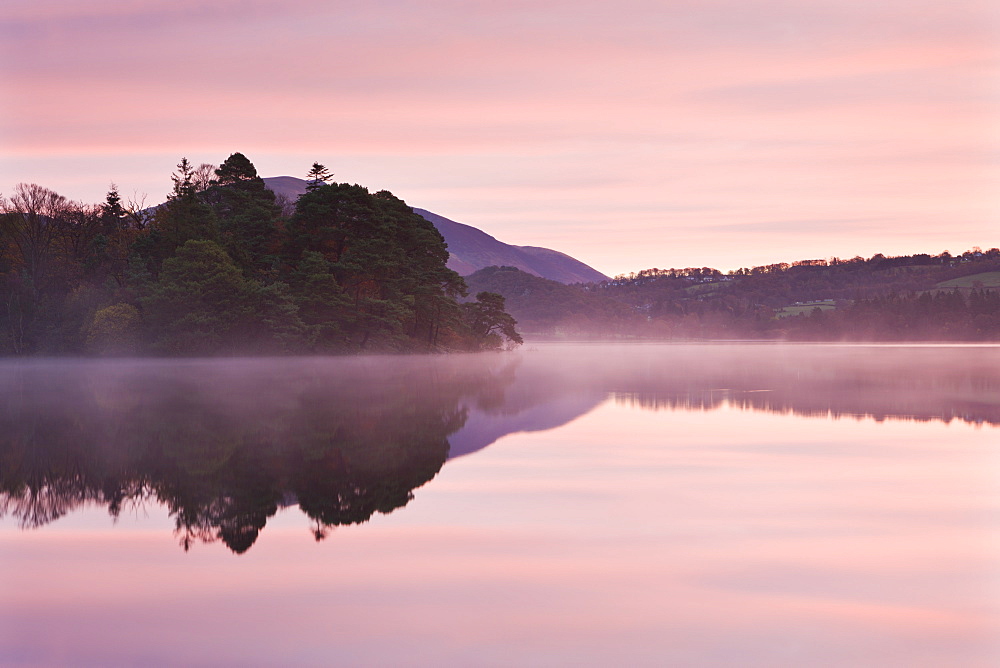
(629, 134)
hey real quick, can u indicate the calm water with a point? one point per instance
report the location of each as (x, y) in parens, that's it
(661, 505)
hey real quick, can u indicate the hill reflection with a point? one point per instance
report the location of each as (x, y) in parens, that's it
(930, 383)
(224, 444)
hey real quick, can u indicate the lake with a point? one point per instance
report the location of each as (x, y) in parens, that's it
(563, 505)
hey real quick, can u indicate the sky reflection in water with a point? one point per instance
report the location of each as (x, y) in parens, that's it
(656, 505)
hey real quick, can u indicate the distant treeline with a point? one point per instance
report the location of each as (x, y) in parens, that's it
(777, 285)
(915, 297)
(942, 316)
(223, 267)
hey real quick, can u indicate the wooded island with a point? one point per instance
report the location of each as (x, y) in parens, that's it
(222, 267)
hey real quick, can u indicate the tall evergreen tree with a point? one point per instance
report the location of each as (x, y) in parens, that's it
(249, 218)
(236, 169)
(183, 180)
(317, 177)
(114, 217)
(184, 216)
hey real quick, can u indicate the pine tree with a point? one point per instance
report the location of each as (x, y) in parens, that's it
(183, 180)
(236, 169)
(317, 177)
(248, 216)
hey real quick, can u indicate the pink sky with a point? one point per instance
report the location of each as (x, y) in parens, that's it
(630, 134)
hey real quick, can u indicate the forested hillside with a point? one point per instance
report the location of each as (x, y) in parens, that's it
(920, 297)
(221, 268)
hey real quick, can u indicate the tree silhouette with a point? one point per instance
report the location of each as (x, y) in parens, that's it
(489, 323)
(317, 177)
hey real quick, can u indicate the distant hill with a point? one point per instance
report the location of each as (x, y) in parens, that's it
(472, 249)
(288, 187)
(918, 297)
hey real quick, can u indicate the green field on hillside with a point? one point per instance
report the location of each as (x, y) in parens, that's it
(989, 279)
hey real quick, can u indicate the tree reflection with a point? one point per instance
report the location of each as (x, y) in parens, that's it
(224, 445)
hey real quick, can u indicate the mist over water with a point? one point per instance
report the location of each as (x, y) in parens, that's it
(789, 472)
(199, 435)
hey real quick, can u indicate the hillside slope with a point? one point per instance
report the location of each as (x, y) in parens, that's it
(472, 250)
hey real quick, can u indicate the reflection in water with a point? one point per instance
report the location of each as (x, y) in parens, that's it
(921, 383)
(225, 443)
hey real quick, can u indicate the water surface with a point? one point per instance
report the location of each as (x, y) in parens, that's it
(704, 505)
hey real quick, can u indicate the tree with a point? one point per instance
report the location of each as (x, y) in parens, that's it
(317, 177)
(184, 216)
(203, 177)
(203, 305)
(114, 330)
(190, 180)
(200, 302)
(422, 274)
(236, 169)
(32, 223)
(488, 322)
(114, 217)
(108, 251)
(30, 220)
(388, 262)
(248, 216)
(183, 180)
(325, 310)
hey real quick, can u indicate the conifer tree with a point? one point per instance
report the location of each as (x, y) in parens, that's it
(317, 177)
(183, 180)
(248, 216)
